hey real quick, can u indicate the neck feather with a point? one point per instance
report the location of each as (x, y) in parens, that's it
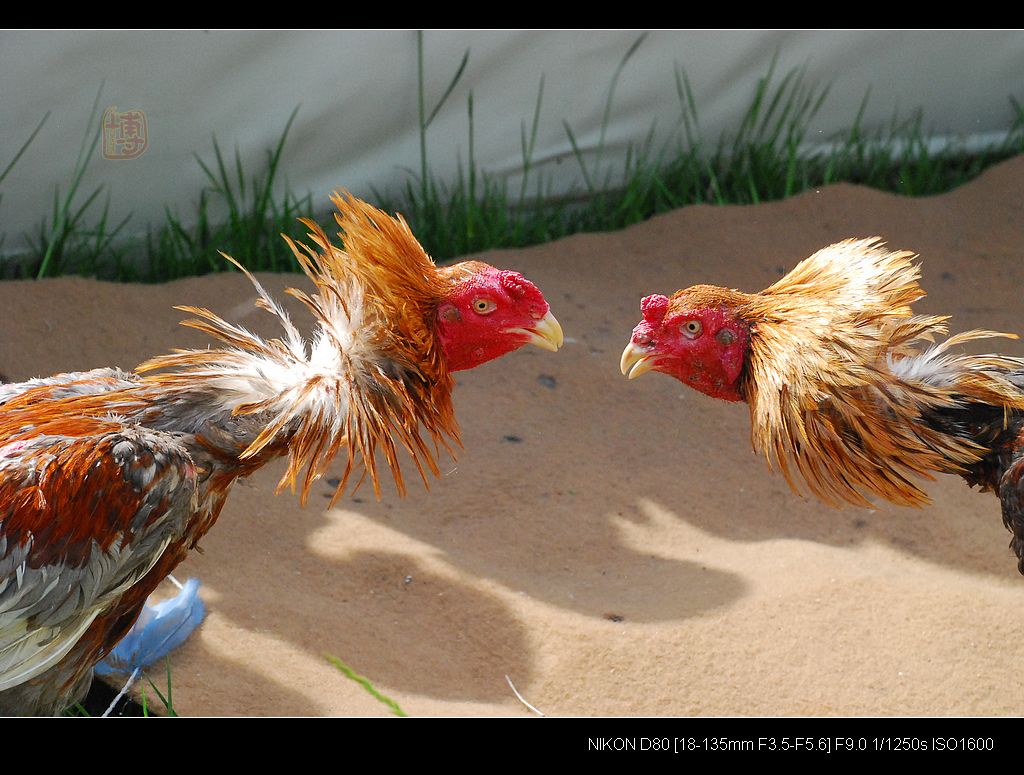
(841, 378)
(372, 378)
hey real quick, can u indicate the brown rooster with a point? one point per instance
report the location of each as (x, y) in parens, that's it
(846, 387)
(108, 479)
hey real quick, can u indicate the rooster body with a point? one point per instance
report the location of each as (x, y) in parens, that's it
(98, 510)
(848, 391)
(108, 478)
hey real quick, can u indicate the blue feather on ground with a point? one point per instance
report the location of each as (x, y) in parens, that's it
(160, 629)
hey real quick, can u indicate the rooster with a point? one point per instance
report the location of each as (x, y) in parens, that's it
(108, 478)
(848, 391)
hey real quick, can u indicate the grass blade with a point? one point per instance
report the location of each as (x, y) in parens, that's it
(352, 675)
(24, 147)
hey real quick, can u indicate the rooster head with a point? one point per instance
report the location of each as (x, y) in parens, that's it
(697, 336)
(488, 312)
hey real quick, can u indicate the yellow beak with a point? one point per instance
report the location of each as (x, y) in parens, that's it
(635, 361)
(547, 334)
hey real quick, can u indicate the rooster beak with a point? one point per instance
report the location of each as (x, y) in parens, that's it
(635, 361)
(546, 334)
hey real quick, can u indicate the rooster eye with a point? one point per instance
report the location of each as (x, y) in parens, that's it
(484, 306)
(692, 328)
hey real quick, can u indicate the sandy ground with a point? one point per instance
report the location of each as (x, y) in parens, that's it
(613, 547)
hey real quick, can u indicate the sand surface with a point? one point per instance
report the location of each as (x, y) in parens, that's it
(614, 547)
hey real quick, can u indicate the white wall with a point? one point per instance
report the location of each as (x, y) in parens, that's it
(356, 127)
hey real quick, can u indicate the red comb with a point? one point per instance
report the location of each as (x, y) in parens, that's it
(654, 307)
(514, 283)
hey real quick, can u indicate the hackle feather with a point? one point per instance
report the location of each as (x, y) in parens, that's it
(371, 379)
(841, 374)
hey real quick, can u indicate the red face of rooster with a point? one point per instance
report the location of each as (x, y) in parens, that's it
(490, 312)
(695, 340)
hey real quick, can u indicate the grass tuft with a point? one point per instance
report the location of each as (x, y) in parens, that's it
(167, 699)
(767, 156)
(67, 243)
(250, 228)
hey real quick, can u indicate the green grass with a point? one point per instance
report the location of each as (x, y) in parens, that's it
(72, 239)
(104, 696)
(352, 675)
(766, 156)
(167, 699)
(255, 220)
